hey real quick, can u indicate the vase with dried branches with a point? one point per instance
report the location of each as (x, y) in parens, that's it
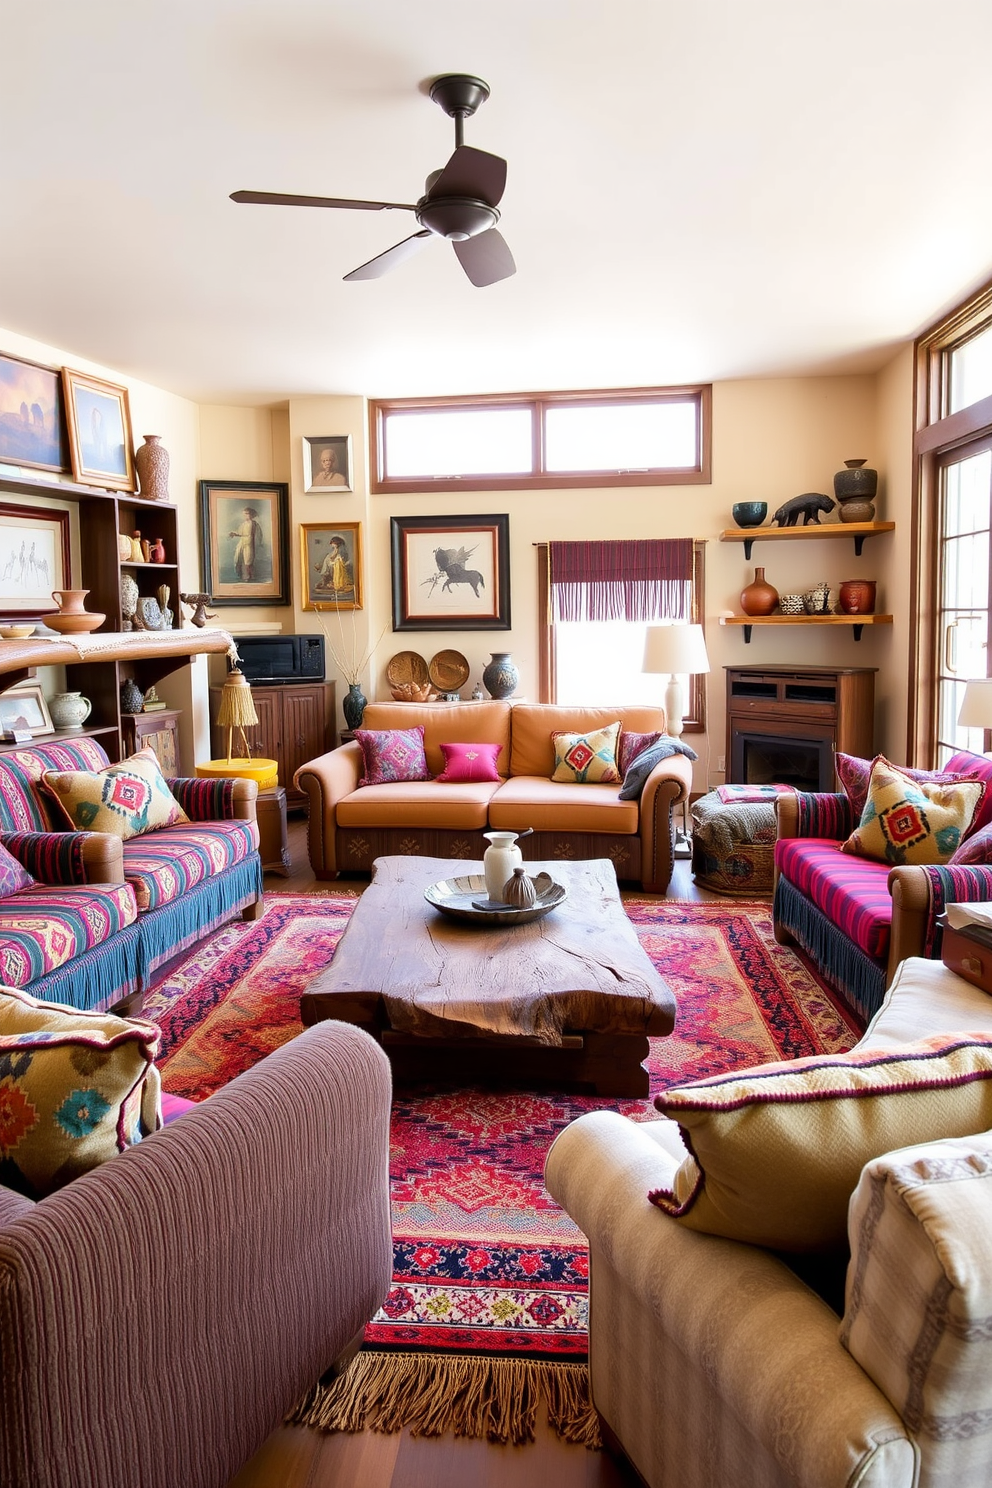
(349, 661)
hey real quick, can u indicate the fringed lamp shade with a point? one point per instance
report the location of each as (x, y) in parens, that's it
(237, 711)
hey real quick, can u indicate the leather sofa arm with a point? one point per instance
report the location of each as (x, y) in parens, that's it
(68, 857)
(709, 1343)
(226, 1261)
(665, 789)
(324, 781)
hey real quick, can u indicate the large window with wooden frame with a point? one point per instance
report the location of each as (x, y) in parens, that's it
(535, 441)
(952, 528)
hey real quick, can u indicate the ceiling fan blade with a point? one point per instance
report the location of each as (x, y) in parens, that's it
(281, 199)
(399, 253)
(472, 172)
(486, 258)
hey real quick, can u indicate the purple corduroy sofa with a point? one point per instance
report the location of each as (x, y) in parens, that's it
(855, 918)
(105, 917)
(161, 1314)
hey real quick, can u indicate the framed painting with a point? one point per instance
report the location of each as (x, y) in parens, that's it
(244, 540)
(34, 558)
(23, 708)
(331, 565)
(451, 573)
(99, 421)
(32, 420)
(327, 463)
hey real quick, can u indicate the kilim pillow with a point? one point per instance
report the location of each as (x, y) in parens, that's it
(854, 775)
(631, 745)
(467, 763)
(392, 755)
(125, 799)
(777, 1150)
(13, 875)
(587, 759)
(76, 1089)
(908, 821)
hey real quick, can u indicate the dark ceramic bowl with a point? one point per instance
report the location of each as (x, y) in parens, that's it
(749, 513)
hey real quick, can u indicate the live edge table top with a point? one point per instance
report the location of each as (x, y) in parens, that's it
(570, 997)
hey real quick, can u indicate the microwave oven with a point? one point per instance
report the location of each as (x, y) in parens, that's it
(281, 658)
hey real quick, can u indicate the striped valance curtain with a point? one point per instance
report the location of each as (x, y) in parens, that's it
(650, 579)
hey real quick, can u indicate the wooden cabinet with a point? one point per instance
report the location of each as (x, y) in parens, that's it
(159, 731)
(295, 724)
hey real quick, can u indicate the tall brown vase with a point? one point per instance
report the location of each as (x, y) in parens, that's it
(152, 464)
(759, 598)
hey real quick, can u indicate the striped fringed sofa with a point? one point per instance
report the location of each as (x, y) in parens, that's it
(855, 918)
(104, 917)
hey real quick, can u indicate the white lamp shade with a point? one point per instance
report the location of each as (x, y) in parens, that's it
(675, 648)
(976, 705)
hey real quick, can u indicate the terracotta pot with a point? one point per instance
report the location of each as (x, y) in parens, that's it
(857, 596)
(759, 598)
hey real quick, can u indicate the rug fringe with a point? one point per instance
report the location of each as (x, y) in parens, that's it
(472, 1395)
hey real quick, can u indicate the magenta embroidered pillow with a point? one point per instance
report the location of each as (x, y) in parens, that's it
(464, 764)
(392, 755)
(976, 848)
(970, 766)
(13, 875)
(631, 745)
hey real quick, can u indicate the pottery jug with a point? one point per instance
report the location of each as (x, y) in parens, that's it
(759, 598)
(501, 857)
(151, 462)
(69, 710)
(70, 601)
(157, 553)
(500, 676)
(857, 596)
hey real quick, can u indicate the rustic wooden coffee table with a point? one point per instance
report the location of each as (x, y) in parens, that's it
(567, 999)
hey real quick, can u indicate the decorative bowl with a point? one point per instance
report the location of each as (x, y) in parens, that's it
(749, 513)
(792, 604)
(17, 632)
(78, 624)
(460, 898)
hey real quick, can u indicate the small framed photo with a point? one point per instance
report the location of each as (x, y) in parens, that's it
(23, 710)
(99, 421)
(331, 565)
(34, 558)
(327, 463)
(451, 573)
(32, 419)
(244, 540)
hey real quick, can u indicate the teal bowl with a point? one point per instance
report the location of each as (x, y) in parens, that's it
(749, 513)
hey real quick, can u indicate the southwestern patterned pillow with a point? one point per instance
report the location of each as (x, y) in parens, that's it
(464, 764)
(631, 745)
(125, 799)
(587, 759)
(393, 755)
(77, 1088)
(854, 775)
(908, 821)
(13, 875)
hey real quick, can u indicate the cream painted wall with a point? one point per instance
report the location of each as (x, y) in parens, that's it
(895, 445)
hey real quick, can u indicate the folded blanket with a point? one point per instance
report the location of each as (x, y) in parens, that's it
(641, 766)
(733, 795)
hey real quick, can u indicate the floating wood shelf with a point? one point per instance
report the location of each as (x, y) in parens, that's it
(856, 530)
(857, 621)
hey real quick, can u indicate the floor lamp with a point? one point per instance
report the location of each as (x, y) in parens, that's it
(676, 649)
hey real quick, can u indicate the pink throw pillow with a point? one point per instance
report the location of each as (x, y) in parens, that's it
(393, 755)
(975, 767)
(631, 745)
(976, 847)
(13, 875)
(465, 764)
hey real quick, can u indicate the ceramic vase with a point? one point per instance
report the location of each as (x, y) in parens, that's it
(152, 464)
(499, 861)
(69, 710)
(759, 598)
(132, 697)
(157, 551)
(855, 488)
(501, 678)
(353, 705)
(857, 596)
(123, 547)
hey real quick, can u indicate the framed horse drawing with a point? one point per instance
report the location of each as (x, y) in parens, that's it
(451, 573)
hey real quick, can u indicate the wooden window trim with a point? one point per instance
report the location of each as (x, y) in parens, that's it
(538, 479)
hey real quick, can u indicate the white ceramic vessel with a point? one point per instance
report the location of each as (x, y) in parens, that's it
(69, 710)
(501, 857)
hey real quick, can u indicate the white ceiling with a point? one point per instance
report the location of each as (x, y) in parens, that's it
(697, 190)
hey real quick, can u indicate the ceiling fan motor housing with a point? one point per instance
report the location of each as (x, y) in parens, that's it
(456, 217)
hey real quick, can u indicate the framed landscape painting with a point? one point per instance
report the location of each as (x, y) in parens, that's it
(34, 558)
(99, 422)
(31, 418)
(245, 542)
(451, 573)
(23, 707)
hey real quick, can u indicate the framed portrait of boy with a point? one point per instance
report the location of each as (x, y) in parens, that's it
(327, 463)
(244, 541)
(331, 565)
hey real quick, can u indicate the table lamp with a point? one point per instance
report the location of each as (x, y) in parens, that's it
(237, 710)
(674, 649)
(976, 705)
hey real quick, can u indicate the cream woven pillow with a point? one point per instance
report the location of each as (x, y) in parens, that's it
(587, 759)
(777, 1150)
(913, 821)
(126, 799)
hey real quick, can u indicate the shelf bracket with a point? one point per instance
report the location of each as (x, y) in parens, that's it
(747, 634)
(859, 542)
(748, 545)
(857, 631)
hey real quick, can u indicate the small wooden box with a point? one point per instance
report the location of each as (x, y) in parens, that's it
(969, 953)
(160, 729)
(273, 832)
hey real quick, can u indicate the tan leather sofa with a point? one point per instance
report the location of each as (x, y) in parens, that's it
(350, 827)
(714, 1365)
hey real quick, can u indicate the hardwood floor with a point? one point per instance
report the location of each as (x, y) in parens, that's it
(297, 1457)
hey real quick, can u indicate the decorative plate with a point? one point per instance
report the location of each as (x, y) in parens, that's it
(448, 670)
(407, 666)
(459, 898)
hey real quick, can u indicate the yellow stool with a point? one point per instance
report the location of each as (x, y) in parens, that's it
(265, 771)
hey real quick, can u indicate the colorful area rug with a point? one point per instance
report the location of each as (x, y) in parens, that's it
(486, 1266)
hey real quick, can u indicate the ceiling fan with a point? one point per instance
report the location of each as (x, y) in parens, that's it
(459, 202)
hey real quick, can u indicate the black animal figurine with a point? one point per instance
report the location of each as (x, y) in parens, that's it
(808, 506)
